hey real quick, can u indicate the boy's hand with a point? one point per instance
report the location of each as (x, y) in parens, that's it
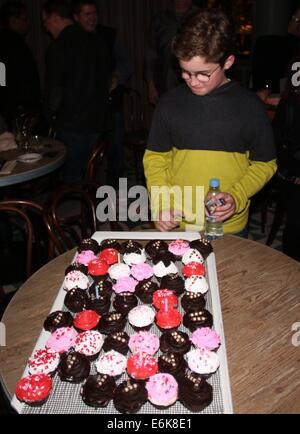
(168, 220)
(227, 210)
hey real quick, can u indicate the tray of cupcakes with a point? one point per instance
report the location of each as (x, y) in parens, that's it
(136, 328)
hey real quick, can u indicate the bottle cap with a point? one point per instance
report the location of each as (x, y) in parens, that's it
(214, 183)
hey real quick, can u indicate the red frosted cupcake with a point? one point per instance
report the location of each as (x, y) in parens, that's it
(86, 320)
(168, 319)
(110, 256)
(141, 366)
(98, 268)
(164, 299)
(34, 390)
(193, 269)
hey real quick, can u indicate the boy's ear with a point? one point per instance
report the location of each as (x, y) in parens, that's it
(229, 62)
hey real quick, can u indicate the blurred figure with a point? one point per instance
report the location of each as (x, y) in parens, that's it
(86, 15)
(22, 91)
(162, 72)
(77, 86)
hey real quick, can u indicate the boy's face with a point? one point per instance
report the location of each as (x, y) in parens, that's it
(203, 77)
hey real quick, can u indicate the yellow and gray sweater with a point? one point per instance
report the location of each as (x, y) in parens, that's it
(225, 134)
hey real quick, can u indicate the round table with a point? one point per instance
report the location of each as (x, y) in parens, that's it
(53, 152)
(260, 298)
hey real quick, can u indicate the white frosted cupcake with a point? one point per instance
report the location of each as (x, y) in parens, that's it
(192, 255)
(164, 265)
(135, 257)
(202, 361)
(43, 361)
(117, 271)
(196, 284)
(75, 279)
(89, 344)
(141, 317)
(111, 363)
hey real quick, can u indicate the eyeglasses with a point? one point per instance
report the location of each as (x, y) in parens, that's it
(200, 76)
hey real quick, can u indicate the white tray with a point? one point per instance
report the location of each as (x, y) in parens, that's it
(223, 375)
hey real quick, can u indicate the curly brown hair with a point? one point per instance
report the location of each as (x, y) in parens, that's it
(208, 33)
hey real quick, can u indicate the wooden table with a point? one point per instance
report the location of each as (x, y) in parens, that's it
(54, 153)
(260, 294)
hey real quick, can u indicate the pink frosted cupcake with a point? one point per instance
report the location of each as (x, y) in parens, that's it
(179, 247)
(85, 257)
(144, 342)
(124, 284)
(207, 338)
(142, 272)
(62, 339)
(162, 390)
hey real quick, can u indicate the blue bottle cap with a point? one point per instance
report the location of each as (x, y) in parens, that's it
(214, 183)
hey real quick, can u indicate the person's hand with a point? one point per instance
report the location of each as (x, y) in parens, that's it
(168, 220)
(7, 142)
(227, 210)
(152, 93)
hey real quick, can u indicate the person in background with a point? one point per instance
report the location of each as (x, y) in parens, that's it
(86, 15)
(161, 66)
(22, 92)
(208, 127)
(286, 126)
(77, 86)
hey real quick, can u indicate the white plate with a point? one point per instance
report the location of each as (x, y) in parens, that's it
(29, 158)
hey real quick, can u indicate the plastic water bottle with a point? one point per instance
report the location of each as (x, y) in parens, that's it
(213, 229)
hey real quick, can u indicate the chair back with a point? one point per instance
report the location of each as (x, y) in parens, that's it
(95, 161)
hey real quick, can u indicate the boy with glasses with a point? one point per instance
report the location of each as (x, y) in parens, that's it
(208, 127)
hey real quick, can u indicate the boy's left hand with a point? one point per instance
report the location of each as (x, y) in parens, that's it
(227, 210)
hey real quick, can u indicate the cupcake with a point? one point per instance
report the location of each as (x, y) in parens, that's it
(192, 255)
(75, 279)
(85, 257)
(86, 320)
(110, 256)
(144, 342)
(112, 322)
(134, 256)
(141, 317)
(43, 361)
(178, 248)
(57, 320)
(175, 342)
(130, 396)
(89, 344)
(76, 300)
(34, 390)
(168, 319)
(172, 363)
(74, 367)
(141, 366)
(129, 245)
(173, 282)
(164, 299)
(141, 272)
(196, 319)
(77, 267)
(89, 244)
(156, 247)
(101, 287)
(98, 390)
(193, 269)
(193, 301)
(206, 338)
(62, 339)
(203, 246)
(164, 265)
(124, 302)
(124, 284)
(101, 305)
(110, 244)
(194, 392)
(111, 363)
(144, 290)
(117, 341)
(98, 269)
(117, 271)
(196, 284)
(202, 361)
(162, 390)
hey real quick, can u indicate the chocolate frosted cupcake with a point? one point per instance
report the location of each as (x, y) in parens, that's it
(89, 244)
(156, 247)
(164, 264)
(194, 391)
(130, 245)
(203, 246)
(109, 244)
(98, 390)
(76, 300)
(112, 322)
(77, 267)
(124, 302)
(101, 305)
(193, 301)
(172, 363)
(130, 396)
(173, 282)
(57, 320)
(144, 290)
(196, 319)
(117, 341)
(74, 367)
(100, 287)
(175, 342)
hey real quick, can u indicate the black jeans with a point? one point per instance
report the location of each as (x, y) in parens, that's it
(291, 233)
